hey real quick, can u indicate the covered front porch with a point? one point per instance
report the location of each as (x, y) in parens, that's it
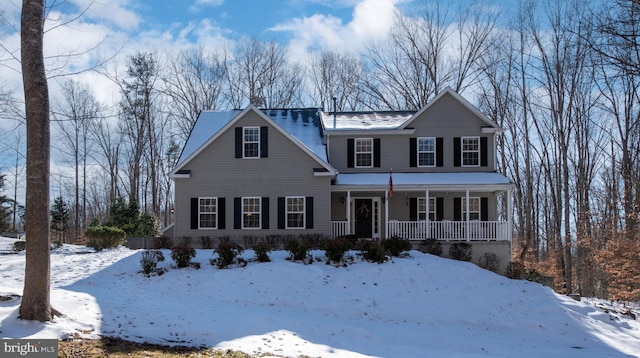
(419, 206)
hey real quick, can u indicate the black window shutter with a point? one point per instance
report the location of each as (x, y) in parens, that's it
(457, 209)
(413, 209)
(483, 152)
(439, 209)
(484, 209)
(413, 152)
(439, 152)
(264, 142)
(350, 152)
(456, 151)
(221, 213)
(194, 213)
(282, 214)
(265, 213)
(237, 213)
(309, 212)
(238, 142)
(376, 152)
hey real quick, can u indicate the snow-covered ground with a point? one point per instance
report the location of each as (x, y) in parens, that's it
(420, 306)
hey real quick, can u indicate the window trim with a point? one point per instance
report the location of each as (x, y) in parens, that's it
(215, 221)
(287, 212)
(243, 213)
(463, 151)
(356, 152)
(244, 142)
(433, 152)
(463, 210)
(432, 205)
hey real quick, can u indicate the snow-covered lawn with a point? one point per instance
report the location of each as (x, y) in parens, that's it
(421, 306)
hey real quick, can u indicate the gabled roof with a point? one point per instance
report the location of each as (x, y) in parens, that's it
(298, 125)
(208, 124)
(390, 120)
(304, 125)
(459, 98)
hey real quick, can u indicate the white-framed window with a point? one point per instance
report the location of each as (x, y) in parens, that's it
(251, 208)
(426, 152)
(251, 142)
(470, 151)
(364, 152)
(295, 212)
(422, 209)
(474, 208)
(207, 213)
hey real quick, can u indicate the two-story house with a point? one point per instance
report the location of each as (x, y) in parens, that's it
(415, 174)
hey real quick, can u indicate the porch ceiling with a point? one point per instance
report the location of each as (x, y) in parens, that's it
(477, 181)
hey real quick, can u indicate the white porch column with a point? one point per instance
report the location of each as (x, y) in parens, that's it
(386, 214)
(467, 216)
(427, 230)
(348, 211)
(426, 198)
(509, 220)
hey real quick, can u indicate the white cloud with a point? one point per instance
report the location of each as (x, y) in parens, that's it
(371, 20)
(113, 11)
(199, 4)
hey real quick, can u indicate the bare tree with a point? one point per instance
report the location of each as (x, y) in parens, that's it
(194, 81)
(139, 117)
(36, 302)
(563, 76)
(77, 110)
(107, 156)
(336, 75)
(421, 57)
(260, 75)
(617, 64)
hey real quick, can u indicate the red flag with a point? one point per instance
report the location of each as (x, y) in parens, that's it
(390, 183)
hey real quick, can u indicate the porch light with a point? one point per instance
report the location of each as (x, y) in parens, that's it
(342, 200)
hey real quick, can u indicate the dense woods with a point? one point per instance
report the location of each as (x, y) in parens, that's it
(561, 77)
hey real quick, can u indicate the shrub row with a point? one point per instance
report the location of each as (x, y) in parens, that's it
(228, 252)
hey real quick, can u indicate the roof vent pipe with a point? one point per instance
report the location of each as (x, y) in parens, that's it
(334, 112)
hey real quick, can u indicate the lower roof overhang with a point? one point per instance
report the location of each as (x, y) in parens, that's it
(472, 181)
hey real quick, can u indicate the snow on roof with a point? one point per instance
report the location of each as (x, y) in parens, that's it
(365, 120)
(206, 126)
(303, 124)
(432, 179)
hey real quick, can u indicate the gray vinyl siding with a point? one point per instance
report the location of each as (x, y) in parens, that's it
(445, 119)
(287, 171)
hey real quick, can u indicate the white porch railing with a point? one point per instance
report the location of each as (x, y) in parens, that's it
(339, 228)
(449, 230)
(441, 230)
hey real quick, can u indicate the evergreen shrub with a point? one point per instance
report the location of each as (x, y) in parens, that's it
(227, 252)
(395, 246)
(430, 246)
(104, 237)
(262, 250)
(298, 250)
(336, 248)
(149, 262)
(372, 250)
(461, 251)
(182, 253)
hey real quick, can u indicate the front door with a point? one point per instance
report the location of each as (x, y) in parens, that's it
(364, 217)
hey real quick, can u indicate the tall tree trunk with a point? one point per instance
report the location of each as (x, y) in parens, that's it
(36, 303)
